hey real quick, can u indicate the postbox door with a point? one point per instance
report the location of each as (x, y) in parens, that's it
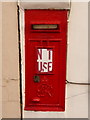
(45, 59)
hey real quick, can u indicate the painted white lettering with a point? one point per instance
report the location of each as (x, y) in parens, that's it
(44, 60)
(39, 53)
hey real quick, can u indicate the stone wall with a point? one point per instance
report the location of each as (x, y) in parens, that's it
(10, 61)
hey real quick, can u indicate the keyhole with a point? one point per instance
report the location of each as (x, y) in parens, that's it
(36, 78)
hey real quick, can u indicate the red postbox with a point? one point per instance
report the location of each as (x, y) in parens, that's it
(45, 59)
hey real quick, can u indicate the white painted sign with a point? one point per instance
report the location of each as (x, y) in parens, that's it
(44, 59)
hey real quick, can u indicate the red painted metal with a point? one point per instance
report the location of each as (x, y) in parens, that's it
(47, 91)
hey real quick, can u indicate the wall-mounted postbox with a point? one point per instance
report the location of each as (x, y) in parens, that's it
(45, 59)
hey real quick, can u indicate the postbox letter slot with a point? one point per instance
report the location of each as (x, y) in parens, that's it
(45, 26)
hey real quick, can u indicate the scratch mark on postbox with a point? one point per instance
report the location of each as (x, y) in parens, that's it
(44, 59)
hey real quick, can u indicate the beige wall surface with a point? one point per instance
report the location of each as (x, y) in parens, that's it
(10, 64)
(0, 60)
